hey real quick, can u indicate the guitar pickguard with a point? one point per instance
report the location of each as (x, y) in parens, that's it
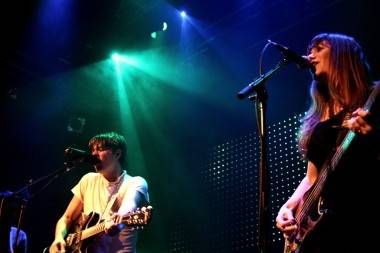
(74, 242)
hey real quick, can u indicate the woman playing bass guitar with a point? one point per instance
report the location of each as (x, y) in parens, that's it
(333, 207)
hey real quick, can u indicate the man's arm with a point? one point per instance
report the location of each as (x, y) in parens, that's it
(72, 212)
(131, 202)
(132, 199)
(135, 197)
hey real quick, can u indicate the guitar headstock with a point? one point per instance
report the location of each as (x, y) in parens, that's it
(138, 217)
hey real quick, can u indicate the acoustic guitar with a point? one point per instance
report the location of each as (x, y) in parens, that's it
(77, 241)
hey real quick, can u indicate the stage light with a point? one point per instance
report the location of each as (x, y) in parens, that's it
(157, 33)
(183, 14)
(115, 57)
(164, 26)
(119, 58)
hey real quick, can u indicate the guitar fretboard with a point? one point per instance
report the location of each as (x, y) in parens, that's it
(332, 164)
(93, 230)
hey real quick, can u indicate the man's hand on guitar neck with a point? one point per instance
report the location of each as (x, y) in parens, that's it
(285, 221)
(113, 225)
(58, 246)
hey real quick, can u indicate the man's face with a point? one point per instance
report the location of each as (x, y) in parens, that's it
(108, 158)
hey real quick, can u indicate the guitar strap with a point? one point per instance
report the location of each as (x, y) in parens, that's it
(120, 188)
(123, 190)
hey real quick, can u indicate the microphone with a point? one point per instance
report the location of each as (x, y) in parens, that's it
(290, 55)
(80, 156)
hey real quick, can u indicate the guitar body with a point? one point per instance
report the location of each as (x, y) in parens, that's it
(74, 241)
(302, 240)
(313, 223)
(86, 227)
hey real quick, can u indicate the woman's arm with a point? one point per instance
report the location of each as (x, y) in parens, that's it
(285, 218)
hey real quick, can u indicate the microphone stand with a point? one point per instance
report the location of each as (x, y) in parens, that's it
(25, 197)
(260, 97)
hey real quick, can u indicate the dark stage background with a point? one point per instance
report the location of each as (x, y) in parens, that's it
(173, 97)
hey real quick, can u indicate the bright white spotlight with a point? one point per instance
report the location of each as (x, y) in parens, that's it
(164, 26)
(183, 14)
(115, 56)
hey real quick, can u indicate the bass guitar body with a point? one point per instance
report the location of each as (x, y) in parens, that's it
(311, 218)
(303, 239)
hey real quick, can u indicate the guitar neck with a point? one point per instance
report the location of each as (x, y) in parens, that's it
(91, 231)
(331, 164)
(133, 219)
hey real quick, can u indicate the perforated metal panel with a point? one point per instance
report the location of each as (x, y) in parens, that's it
(231, 182)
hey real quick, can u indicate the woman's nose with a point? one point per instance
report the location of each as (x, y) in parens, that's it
(310, 56)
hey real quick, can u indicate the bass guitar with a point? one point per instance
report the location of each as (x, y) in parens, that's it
(310, 213)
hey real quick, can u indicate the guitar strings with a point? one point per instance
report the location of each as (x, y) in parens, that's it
(316, 191)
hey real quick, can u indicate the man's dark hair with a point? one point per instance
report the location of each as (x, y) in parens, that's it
(113, 141)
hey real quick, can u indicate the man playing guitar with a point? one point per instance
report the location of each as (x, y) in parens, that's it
(110, 193)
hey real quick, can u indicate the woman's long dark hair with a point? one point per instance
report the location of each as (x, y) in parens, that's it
(347, 84)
